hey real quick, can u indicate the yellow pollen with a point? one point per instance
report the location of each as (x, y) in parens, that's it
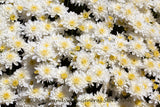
(64, 75)
(131, 76)
(88, 78)
(138, 24)
(76, 80)
(101, 31)
(10, 56)
(47, 70)
(57, 9)
(34, 8)
(6, 96)
(85, 15)
(84, 61)
(87, 104)
(19, 8)
(35, 90)
(33, 28)
(60, 95)
(72, 23)
(44, 52)
(120, 82)
(12, 17)
(18, 44)
(15, 83)
(47, 26)
(100, 9)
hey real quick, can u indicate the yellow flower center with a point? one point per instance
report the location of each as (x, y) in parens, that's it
(64, 75)
(35, 90)
(34, 8)
(131, 76)
(60, 95)
(88, 78)
(87, 104)
(57, 9)
(100, 9)
(120, 82)
(76, 80)
(15, 83)
(10, 57)
(6, 96)
(44, 52)
(72, 23)
(47, 70)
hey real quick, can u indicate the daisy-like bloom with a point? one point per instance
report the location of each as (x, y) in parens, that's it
(25, 101)
(33, 29)
(13, 28)
(86, 42)
(8, 58)
(101, 30)
(155, 97)
(99, 9)
(7, 96)
(70, 20)
(124, 61)
(121, 43)
(44, 53)
(34, 7)
(60, 96)
(4, 81)
(62, 74)
(64, 45)
(139, 88)
(76, 82)
(105, 48)
(90, 77)
(100, 99)
(46, 72)
(85, 100)
(23, 77)
(14, 83)
(149, 65)
(36, 93)
(100, 73)
(138, 47)
(57, 9)
(16, 43)
(135, 62)
(47, 28)
(83, 60)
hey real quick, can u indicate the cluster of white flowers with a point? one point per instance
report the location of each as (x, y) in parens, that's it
(80, 53)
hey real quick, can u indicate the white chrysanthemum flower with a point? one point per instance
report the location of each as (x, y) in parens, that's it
(60, 96)
(57, 9)
(33, 29)
(105, 48)
(101, 30)
(44, 54)
(7, 97)
(8, 58)
(138, 47)
(64, 45)
(76, 82)
(62, 74)
(83, 60)
(100, 99)
(86, 42)
(70, 20)
(16, 43)
(139, 89)
(155, 97)
(23, 76)
(26, 102)
(46, 72)
(36, 93)
(149, 65)
(5, 81)
(100, 73)
(121, 43)
(34, 7)
(85, 100)
(99, 9)
(47, 28)
(124, 61)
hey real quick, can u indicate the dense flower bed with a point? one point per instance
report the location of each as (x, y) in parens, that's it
(80, 53)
